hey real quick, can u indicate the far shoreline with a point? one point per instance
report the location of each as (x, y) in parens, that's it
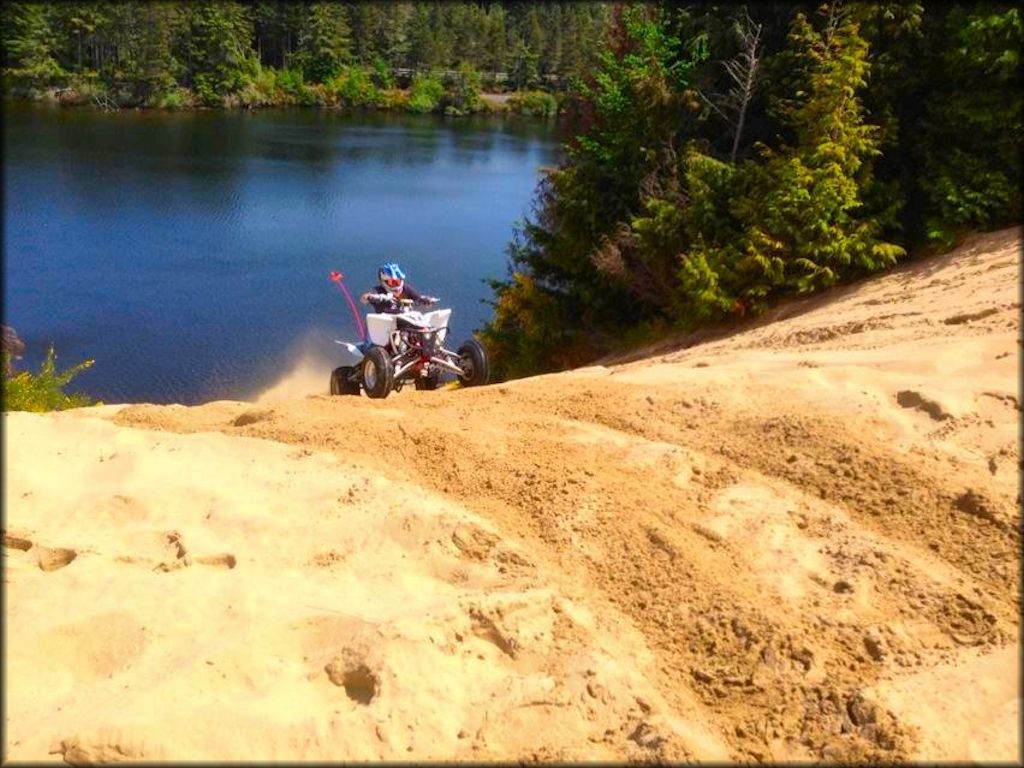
(533, 104)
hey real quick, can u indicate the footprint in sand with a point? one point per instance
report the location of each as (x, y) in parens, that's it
(491, 628)
(53, 559)
(224, 560)
(17, 542)
(219, 560)
(361, 684)
(48, 558)
(182, 559)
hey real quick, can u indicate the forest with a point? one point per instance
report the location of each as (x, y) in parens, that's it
(723, 156)
(421, 56)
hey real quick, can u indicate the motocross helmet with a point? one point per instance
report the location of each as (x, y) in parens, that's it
(391, 277)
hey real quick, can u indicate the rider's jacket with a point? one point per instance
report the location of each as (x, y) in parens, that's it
(393, 307)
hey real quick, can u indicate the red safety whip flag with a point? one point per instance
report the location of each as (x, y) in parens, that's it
(337, 277)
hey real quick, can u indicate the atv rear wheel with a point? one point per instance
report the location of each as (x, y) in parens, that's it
(473, 360)
(378, 373)
(342, 383)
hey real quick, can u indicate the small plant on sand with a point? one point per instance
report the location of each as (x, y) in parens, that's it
(44, 391)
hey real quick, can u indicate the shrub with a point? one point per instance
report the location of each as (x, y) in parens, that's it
(44, 391)
(497, 106)
(462, 91)
(261, 90)
(382, 77)
(393, 98)
(426, 93)
(206, 94)
(536, 103)
(177, 98)
(354, 87)
(291, 84)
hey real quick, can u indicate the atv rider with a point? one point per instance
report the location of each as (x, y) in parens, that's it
(385, 296)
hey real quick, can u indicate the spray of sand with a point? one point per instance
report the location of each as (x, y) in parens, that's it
(307, 372)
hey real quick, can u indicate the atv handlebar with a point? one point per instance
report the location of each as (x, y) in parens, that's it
(386, 297)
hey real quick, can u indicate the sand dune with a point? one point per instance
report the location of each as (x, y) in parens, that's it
(797, 542)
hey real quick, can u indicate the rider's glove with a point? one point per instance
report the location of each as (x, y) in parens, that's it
(429, 299)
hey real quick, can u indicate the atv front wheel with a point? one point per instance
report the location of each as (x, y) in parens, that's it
(342, 381)
(473, 362)
(378, 373)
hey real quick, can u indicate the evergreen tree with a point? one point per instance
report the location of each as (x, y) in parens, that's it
(494, 56)
(323, 42)
(535, 41)
(394, 40)
(422, 50)
(806, 228)
(367, 20)
(971, 131)
(29, 42)
(582, 262)
(219, 54)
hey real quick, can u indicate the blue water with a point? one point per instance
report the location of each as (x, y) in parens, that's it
(188, 253)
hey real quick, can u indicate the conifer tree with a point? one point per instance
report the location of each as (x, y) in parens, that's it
(972, 130)
(324, 42)
(494, 49)
(29, 42)
(220, 57)
(805, 224)
(422, 50)
(394, 37)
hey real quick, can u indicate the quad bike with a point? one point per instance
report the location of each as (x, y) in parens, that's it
(405, 347)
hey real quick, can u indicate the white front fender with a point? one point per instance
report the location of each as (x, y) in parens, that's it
(350, 355)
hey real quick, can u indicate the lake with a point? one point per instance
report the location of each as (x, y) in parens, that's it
(188, 253)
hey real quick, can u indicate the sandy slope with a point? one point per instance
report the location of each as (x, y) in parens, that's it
(798, 542)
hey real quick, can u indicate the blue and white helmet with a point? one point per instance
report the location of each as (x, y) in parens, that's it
(391, 277)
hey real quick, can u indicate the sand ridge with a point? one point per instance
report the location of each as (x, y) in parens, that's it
(798, 542)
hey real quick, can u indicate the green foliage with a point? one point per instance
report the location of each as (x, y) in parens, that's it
(44, 391)
(426, 93)
(462, 91)
(649, 223)
(530, 330)
(354, 87)
(535, 103)
(382, 76)
(261, 91)
(220, 61)
(973, 124)
(600, 253)
(29, 44)
(393, 98)
(804, 210)
(142, 52)
(179, 98)
(323, 42)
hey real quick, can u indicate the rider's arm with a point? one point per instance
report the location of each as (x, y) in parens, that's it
(376, 296)
(411, 293)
